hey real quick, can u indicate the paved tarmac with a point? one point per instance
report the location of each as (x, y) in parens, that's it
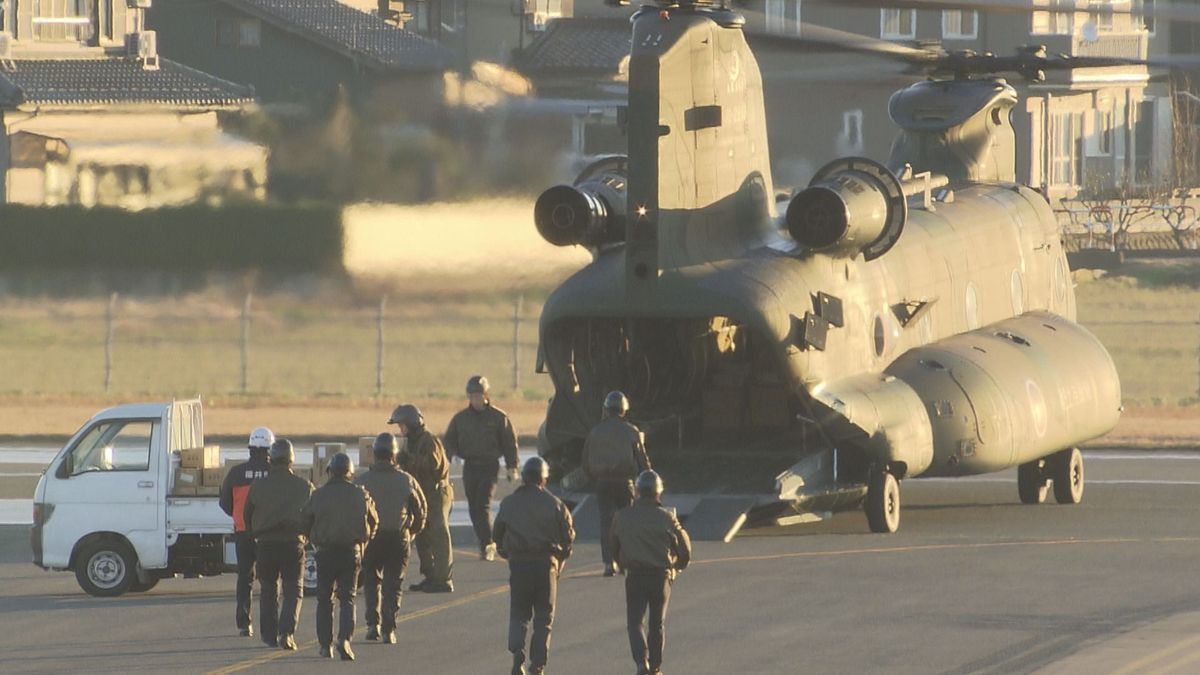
(974, 582)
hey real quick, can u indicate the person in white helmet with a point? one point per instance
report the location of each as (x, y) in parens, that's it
(233, 502)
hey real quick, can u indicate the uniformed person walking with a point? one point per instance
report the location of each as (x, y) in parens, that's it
(340, 519)
(273, 512)
(425, 459)
(401, 507)
(613, 455)
(234, 489)
(481, 434)
(534, 533)
(651, 547)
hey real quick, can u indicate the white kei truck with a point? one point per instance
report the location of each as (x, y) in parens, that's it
(103, 507)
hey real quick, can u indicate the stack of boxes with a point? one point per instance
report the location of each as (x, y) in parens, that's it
(200, 473)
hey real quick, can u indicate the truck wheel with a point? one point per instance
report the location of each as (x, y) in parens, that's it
(1066, 470)
(883, 502)
(1031, 482)
(106, 568)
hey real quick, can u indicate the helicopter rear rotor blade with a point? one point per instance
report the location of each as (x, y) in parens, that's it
(1162, 9)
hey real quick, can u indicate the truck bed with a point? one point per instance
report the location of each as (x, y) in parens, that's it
(197, 515)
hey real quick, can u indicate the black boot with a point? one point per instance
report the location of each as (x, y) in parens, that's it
(518, 664)
(344, 650)
(373, 633)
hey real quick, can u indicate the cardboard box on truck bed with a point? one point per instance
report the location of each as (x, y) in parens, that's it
(208, 457)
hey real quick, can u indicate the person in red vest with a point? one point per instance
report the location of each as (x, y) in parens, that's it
(233, 502)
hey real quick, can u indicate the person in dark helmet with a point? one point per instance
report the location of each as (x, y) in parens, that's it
(234, 490)
(481, 434)
(340, 518)
(535, 534)
(652, 548)
(401, 507)
(424, 458)
(273, 514)
(613, 455)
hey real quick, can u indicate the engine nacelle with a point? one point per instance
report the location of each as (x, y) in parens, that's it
(1012, 392)
(590, 212)
(852, 205)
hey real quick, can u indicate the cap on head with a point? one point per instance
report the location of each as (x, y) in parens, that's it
(535, 470)
(261, 439)
(649, 484)
(282, 452)
(409, 415)
(385, 446)
(478, 384)
(340, 465)
(616, 403)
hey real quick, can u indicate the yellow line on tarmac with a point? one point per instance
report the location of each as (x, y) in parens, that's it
(1178, 665)
(260, 660)
(1165, 652)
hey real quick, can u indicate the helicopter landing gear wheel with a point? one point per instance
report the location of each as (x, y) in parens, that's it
(1031, 482)
(1066, 470)
(883, 502)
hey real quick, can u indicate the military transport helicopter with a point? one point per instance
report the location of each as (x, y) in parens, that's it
(892, 320)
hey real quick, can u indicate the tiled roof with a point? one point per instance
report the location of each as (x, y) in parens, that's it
(578, 46)
(350, 31)
(116, 81)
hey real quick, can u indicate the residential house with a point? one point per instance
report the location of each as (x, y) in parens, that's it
(92, 114)
(305, 51)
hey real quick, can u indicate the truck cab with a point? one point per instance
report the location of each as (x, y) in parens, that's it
(103, 507)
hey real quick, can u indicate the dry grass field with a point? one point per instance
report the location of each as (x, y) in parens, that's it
(313, 347)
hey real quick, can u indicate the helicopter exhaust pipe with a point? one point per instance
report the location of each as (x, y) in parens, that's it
(591, 212)
(852, 205)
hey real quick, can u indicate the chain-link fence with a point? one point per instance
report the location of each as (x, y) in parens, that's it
(267, 347)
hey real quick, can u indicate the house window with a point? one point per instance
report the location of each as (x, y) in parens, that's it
(416, 16)
(539, 13)
(1146, 7)
(1064, 133)
(783, 17)
(1100, 12)
(63, 20)
(898, 24)
(959, 24)
(1052, 23)
(1104, 132)
(239, 32)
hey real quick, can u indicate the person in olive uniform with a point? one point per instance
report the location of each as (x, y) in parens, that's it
(535, 534)
(340, 519)
(613, 455)
(651, 547)
(481, 434)
(424, 458)
(273, 508)
(401, 507)
(234, 489)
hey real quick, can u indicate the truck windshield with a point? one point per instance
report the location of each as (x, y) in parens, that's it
(122, 445)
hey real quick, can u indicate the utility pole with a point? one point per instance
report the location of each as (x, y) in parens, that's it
(516, 342)
(245, 343)
(108, 340)
(379, 348)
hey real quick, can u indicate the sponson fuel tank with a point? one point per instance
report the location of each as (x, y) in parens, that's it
(1011, 392)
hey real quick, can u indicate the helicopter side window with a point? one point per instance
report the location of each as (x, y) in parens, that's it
(880, 336)
(1018, 293)
(971, 304)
